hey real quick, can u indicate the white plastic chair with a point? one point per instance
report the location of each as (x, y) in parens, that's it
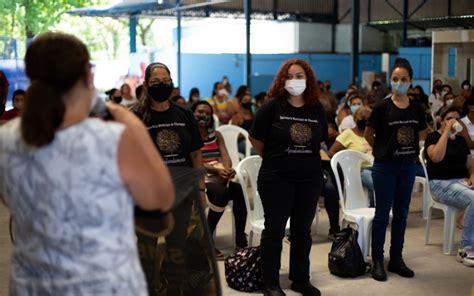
(354, 202)
(231, 133)
(449, 214)
(217, 123)
(421, 181)
(247, 173)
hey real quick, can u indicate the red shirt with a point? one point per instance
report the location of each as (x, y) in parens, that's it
(10, 114)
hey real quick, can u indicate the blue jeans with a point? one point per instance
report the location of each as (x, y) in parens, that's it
(451, 193)
(393, 184)
(367, 182)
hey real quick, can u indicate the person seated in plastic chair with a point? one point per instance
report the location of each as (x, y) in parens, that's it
(220, 188)
(451, 172)
(354, 139)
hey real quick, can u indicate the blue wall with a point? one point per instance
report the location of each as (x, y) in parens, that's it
(420, 60)
(202, 70)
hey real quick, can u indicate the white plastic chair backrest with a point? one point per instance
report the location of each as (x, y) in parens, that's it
(217, 123)
(231, 133)
(425, 171)
(247, 173)
(350, 162)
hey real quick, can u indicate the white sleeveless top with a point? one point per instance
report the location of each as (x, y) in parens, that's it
(72, 215)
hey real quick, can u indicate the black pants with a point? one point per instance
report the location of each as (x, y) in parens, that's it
(283, 199)
(219, 194)
(331, 203)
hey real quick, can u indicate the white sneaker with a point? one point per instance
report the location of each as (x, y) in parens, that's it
(462, 253)
(468, 260)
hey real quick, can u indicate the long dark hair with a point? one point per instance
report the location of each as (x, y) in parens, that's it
(54, 62)
(143, 108)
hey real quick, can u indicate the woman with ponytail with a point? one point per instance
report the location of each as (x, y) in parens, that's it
(70, 181)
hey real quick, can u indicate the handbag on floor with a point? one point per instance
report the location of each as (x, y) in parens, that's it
(243, 270)
(345, 258)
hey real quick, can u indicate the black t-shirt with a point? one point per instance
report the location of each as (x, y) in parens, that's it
(176, 134)
(292, 139)
(454, 162)
(396, 130)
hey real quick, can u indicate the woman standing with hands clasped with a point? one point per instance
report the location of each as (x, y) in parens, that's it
(286, 133)
(393, 130)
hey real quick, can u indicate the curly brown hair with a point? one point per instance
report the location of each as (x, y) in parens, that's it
(312, 91)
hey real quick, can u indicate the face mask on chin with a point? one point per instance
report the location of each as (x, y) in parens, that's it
(295, 86)
(160, 92)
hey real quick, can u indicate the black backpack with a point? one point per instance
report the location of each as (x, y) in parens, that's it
(345, 258)
(243, 270)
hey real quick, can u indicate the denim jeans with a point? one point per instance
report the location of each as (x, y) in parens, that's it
(367, 182)
(451, 193)
(393, 184)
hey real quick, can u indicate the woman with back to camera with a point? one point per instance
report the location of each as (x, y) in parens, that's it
(175, 133)
(70, 181)
(394, 128)
(286, 133)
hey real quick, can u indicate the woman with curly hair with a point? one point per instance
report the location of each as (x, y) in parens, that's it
(286, 133)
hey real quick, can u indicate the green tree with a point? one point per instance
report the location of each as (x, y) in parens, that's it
(27, 18)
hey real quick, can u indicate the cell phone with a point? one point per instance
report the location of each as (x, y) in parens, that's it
(99, 109)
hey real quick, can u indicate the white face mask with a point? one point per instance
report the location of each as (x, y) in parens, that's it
(295, 86)
(466, 86)
(222, 92)
(443, 93)
(449, 102)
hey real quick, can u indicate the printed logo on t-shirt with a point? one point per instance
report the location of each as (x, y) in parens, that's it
(301, 135)
(405, 135)
(405, 138)
(169, 142)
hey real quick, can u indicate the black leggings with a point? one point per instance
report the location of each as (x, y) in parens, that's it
(219, 194)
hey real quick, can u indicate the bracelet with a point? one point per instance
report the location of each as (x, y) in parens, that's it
(203, 189)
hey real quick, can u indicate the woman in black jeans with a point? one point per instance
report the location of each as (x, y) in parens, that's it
(393, 130)
(286, 133)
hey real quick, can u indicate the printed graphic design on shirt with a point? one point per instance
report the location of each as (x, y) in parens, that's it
(169, 143)
(301, 136)
(405, 135)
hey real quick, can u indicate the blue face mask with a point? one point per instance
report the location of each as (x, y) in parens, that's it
(400, 88)
(354, 108)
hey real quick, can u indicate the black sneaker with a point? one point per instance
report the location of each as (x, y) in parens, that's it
(306, 289)
(273, 291)
(378, 271)
(398, 266)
